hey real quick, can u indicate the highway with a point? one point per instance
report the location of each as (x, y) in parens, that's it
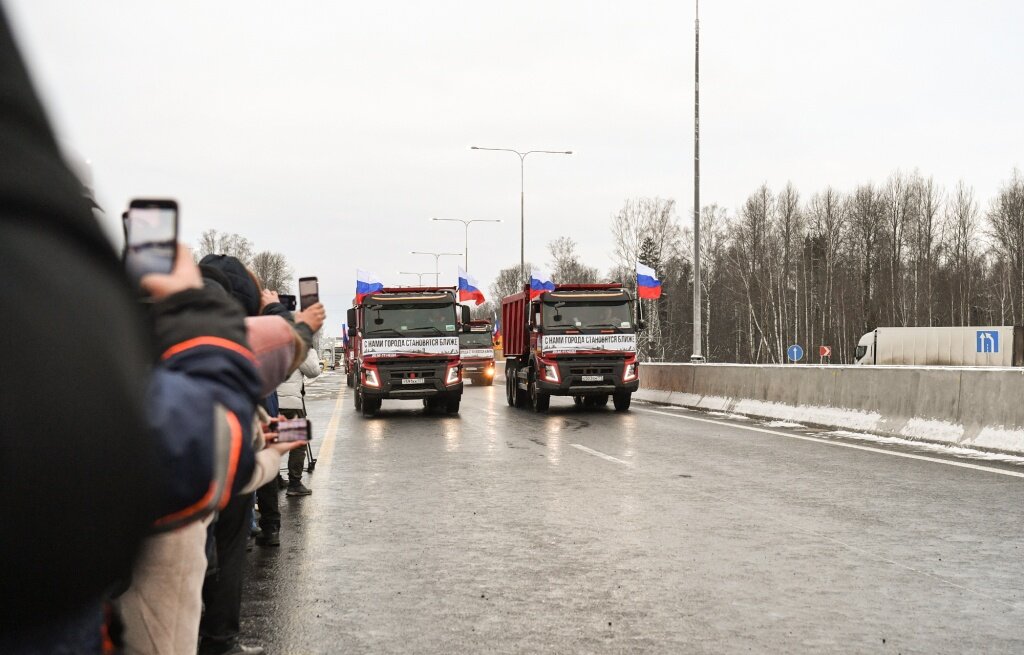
(660, 530)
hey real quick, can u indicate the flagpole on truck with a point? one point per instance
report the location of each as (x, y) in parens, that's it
(467, 224)
(522, 202)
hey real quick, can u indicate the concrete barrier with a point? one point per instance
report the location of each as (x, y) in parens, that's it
(971, 407)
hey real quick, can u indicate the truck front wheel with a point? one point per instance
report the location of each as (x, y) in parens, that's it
(371, 406)
(451, 406)
(622, 400)
(539, 400)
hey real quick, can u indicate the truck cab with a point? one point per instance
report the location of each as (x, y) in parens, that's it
(865, 353)
(576, 340)
(405, 346)
(477, 352)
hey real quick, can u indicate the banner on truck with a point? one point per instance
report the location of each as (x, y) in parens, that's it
(411, 346)
(569, 343)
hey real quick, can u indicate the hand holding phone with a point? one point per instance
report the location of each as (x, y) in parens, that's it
(287, 300)
(309, 292)
(289, 430)
(151, 237)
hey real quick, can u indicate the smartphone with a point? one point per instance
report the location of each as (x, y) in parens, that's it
(151, 237)
(309, 292)
(296, 429)
(287, 300)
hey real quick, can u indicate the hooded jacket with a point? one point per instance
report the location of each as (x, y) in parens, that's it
(291, 391)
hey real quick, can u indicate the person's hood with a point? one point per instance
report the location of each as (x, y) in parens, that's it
(241, 285)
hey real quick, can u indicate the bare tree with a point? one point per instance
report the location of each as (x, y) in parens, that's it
(225, 243)
(273, 270)
(566, 267)
(507, 282)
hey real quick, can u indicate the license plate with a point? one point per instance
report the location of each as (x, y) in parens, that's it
(593, 378)
(413, 381)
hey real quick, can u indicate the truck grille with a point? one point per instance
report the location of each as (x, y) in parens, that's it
(424, 373)
(591, 370)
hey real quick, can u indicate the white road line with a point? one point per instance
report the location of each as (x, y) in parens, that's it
(596, 453)
(326, 451)
(937, 460)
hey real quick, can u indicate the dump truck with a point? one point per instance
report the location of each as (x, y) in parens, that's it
(477, 352)
(405, 346)
(942, 346)
(576, 340)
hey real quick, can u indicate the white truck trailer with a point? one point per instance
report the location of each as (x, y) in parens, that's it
(942, 346)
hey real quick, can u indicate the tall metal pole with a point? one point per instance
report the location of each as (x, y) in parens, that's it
(697, 355)
(437, 258)
(522, 199)
(466, 225)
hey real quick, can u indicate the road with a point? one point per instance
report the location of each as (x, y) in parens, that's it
(659, 530)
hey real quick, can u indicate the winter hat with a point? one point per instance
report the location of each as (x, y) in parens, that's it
(241, 286)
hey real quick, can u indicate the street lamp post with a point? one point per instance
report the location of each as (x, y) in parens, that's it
(522, 204)
(437, 258)
(419, 276)
(467, 224)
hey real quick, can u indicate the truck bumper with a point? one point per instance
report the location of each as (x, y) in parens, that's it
(478, 368)
(588, 378)
(394, 374)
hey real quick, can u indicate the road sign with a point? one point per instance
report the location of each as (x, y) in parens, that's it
(824, 351)
(795, 353)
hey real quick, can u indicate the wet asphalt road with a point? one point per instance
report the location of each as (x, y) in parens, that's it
(659, 530)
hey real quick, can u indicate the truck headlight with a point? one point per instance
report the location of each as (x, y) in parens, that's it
(370, 377)
(489, 372)
(454, 375)
(629, 372)
(551, 372)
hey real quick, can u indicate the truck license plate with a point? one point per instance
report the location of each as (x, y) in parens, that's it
(413, 381)
(593, 378)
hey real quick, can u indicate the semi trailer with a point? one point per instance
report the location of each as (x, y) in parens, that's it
(477, 352)
(942, 346)
(576, 340)
(405, 346)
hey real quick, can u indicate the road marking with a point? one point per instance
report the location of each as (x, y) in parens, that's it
(323, 456)
(937, 460)
(596, 453)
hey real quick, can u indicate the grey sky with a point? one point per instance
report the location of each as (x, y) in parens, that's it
(334, 131)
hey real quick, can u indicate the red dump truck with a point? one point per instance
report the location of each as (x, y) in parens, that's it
(405, 346)
(577, 340)
(477, 350)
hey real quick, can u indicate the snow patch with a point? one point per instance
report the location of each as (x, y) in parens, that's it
(958, 451)
(783, 424)
(921, 428)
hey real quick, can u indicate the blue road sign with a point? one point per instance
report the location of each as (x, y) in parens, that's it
(795, 353)
(988, 341)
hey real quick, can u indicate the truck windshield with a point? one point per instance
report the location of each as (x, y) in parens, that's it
(860, 352)
(587, 315)
(410, 320)
(475, 340)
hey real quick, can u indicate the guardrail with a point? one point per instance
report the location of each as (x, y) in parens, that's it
(973, 407)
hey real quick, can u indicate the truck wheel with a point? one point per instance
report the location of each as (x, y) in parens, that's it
(452, 405)
(510, 381)
(349, 380)
(371, 406)
(622, 400)
(357, 399)
(601, 401)
(577, 400)
(539, 400)
(486, 382)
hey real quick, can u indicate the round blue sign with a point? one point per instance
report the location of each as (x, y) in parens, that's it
(795, 353)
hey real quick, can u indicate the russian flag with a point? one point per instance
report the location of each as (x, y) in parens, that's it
(539, 283)
(366, 283)
(648, 286)
(468, 289)
(344, 335)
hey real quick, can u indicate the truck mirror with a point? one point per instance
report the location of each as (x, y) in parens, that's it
(465, 315)
(352, 332)
(351, 316)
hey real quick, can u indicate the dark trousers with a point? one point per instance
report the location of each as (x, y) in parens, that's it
(297, 457)
(222, 592)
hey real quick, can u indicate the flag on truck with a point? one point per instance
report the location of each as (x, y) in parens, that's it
(344, 335)
(539, 283)
(366, 283)
(468, 289)
(648, 286)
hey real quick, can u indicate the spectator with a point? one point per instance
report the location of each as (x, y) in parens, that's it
(74, 522)
(291, 398)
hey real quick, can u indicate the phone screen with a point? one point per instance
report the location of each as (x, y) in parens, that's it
(309, 292)
(151, 237)
(296, 429)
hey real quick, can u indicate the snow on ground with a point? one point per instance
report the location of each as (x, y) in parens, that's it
(783, 424)
(957, 451)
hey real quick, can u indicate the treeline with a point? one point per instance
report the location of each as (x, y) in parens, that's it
(822, 268)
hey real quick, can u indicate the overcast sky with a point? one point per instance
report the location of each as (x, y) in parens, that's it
(333, 131)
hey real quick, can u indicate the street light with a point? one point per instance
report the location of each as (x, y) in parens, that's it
(467, 224)
(437, 258)
(419, 276)
(522, 221)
